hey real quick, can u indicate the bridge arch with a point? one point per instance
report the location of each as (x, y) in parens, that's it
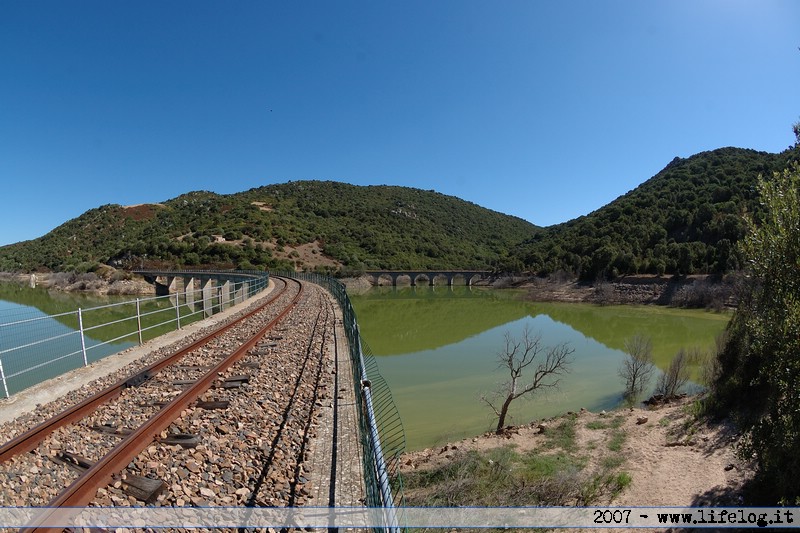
(441, 278)
(382, 278)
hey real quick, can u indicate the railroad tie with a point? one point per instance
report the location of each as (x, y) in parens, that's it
(142, 488)
(185, 440)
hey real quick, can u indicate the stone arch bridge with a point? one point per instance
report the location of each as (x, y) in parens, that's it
(450, 276)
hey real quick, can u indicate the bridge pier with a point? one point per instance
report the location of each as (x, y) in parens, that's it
(210, 290)
(241, 294)
(188, 291)
(225, 295)
(207, 289)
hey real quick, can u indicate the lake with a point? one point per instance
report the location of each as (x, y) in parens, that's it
(437, 349)
(38, 329)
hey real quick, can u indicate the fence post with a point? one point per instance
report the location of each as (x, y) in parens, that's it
(139, 321)
(178, 311)
(3, 376)
(83, 338)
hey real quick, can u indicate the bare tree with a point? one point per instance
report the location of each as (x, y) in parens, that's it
(675, 377)
(637, 368)
(516, 356)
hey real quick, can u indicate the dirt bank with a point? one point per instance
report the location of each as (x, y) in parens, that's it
(692, 291)
(666, 456)
(90, 283)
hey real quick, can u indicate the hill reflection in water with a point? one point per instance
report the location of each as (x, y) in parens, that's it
(437, 350)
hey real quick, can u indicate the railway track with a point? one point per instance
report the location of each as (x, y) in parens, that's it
(225, 420)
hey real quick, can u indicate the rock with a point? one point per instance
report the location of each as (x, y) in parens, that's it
(199, 502)
(641, 420)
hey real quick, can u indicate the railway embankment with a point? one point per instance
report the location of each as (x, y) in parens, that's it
(258, 436)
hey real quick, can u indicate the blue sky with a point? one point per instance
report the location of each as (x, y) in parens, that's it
(543, 110)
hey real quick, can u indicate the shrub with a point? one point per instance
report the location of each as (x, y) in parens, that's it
(759, 369)
(675, 377)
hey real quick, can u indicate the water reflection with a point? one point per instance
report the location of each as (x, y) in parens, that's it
(39, 336)
(439, 348)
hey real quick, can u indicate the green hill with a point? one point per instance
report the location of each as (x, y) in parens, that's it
(303, 224)
(685, 219)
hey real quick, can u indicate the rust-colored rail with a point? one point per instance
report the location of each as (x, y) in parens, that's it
(83, 489)
(28, 440)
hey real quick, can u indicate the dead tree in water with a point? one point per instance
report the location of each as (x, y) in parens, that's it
(516, 357)
(637, 368)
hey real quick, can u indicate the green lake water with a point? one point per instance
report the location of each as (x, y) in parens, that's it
(437, 349)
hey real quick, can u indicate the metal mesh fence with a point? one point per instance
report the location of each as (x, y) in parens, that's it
(382, 434)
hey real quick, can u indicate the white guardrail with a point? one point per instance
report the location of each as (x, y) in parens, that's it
(37, 348)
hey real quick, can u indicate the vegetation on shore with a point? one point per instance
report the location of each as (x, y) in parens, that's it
(557, 472)
(758, 370)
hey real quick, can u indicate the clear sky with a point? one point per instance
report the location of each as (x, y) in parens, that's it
(546, 110)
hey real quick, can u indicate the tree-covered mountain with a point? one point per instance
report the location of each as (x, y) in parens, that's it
(686, 219)
(292, 225)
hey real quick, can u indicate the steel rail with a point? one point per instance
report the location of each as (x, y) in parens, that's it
(84, 488)
(28, 440)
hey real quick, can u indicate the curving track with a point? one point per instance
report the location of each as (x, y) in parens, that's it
(225, 420)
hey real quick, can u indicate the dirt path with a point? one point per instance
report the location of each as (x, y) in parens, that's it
(675, 461)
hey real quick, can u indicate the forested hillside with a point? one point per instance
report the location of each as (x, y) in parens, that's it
(685, 219)
(351, 227)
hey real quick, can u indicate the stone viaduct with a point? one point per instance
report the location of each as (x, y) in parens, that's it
(430, 275)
